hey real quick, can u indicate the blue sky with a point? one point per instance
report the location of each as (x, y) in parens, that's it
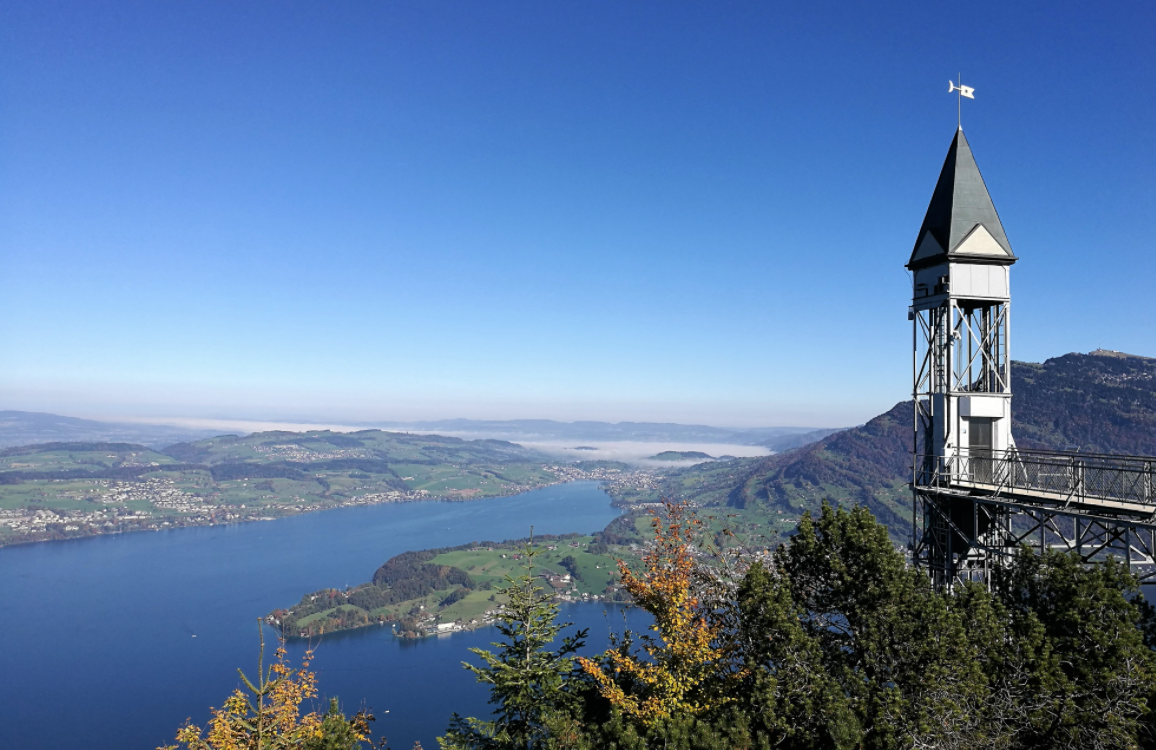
(693, 212)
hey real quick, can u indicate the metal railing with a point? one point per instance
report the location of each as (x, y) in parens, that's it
(1050, 476)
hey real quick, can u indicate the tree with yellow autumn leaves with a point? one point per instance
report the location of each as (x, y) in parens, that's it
(266, 715)
(686, 667)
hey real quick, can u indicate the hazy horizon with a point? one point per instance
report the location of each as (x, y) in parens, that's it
(733, 415)
(248, 424)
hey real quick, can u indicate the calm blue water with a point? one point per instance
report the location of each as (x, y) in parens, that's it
(98, 648)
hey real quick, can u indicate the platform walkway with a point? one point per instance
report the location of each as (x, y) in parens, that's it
(1109, 486)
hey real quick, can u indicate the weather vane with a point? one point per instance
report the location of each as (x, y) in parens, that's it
(967, 91)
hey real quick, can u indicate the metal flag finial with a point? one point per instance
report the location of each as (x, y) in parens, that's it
(967, 91)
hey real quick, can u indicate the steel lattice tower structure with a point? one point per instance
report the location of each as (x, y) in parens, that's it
(976, 496)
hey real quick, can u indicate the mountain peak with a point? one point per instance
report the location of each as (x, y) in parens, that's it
(1116, 354)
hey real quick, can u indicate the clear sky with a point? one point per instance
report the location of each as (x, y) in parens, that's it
(693, 212)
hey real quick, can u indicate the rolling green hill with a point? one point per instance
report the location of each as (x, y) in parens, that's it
(33, 460)
(57, 490)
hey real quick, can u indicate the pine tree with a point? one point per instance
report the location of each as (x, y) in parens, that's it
(1099, 691)
(788, 700)
(531, 686)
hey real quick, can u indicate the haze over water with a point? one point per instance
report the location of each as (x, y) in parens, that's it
(99, 648)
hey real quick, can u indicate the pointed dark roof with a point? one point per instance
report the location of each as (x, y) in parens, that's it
(961, 220)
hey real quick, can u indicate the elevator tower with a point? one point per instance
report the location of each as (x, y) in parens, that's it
(961, 311)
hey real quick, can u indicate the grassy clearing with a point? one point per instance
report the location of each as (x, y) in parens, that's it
(595, 572)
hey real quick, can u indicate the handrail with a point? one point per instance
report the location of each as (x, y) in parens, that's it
(1058, 476)
(1081, 454)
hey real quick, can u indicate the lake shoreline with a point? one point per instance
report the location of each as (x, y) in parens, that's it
(420, 593)
(362, 629)
(170, 523)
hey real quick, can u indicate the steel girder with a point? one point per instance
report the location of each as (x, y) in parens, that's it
(964, 535)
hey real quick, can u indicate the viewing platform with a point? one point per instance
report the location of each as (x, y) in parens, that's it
(1106, 486)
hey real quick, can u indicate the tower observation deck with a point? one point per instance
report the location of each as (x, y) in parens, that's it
(977, 498)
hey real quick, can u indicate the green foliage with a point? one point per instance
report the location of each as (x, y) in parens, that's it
(412, 576)
(1098, 688)
(531, 686)
(895, 646)
(792, 701)
(837, 643)
(571, 565)
(455, 596)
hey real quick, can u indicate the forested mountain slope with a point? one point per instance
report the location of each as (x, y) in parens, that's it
(1103, 402)
(1100, 402)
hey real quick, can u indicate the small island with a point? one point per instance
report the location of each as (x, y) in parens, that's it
(681, 456)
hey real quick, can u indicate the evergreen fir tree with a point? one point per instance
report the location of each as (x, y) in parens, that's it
(531, 686)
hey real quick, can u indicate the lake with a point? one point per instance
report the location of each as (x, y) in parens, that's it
(99, 648)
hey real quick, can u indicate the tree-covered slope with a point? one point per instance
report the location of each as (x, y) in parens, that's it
(866, 465)
(1103, 402)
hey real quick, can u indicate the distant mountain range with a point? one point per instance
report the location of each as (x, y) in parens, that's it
(1102, 402)
(29, 427)
(775, 438)
(26, 428)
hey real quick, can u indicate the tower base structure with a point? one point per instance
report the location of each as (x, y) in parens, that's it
(961, 539)
(974, 520)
